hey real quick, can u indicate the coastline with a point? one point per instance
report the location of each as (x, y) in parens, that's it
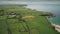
(57, 27)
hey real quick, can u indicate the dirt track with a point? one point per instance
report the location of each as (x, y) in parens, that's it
(28, 16)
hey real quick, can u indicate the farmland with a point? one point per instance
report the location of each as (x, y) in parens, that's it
(29, 25)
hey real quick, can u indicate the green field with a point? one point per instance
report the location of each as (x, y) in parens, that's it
(37, 25)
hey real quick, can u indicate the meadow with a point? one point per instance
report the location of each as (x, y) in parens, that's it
(29, 25)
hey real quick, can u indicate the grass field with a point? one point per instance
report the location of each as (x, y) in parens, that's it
(37, 25)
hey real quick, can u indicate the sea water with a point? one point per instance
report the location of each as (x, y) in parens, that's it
(53, 8)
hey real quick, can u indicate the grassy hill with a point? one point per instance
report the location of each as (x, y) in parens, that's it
(31, 23)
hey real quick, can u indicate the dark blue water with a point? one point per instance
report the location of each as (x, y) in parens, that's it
(54, 8)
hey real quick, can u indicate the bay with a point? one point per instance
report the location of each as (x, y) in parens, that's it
(53, 8)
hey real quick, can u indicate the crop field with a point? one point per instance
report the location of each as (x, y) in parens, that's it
(29, 23)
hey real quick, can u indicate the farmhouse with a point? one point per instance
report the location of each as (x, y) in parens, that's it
(12, 14)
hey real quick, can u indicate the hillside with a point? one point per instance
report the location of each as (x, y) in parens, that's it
(25, 21)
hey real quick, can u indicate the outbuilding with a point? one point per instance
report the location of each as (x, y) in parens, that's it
(11, 15)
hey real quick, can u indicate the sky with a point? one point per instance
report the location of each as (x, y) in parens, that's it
(29, 0)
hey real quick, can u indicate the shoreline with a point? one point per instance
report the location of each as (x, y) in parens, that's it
(57, 27)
